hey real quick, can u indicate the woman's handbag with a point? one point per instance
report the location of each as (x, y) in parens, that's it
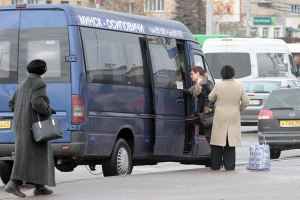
(259, 157)
(47, 130)
(207, 119)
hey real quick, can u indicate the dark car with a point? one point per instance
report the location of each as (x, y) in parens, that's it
(279, 121)
(258, 91)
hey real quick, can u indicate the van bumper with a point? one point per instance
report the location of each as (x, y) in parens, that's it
(76, 148)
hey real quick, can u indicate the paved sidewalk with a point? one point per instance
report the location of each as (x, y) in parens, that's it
(282, 182)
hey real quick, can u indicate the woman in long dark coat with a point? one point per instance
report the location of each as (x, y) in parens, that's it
(33, 162)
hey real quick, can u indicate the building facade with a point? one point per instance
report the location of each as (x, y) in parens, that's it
(268, 16)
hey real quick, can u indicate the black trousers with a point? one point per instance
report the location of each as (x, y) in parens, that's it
(219, 152)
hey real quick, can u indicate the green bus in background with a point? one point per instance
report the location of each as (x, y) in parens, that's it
(201, 38)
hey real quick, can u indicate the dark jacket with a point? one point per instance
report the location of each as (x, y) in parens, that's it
(202, 98)
(202, 101)
(33, 162)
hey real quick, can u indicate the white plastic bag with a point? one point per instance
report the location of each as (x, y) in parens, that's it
(259, 157)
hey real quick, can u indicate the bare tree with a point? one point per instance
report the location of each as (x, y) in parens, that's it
(192, 14)
(126, 6)
(234, 29)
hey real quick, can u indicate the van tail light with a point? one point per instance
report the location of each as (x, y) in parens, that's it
(265, 114)
(78, 109)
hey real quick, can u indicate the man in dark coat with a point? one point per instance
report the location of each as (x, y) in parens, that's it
(33, 162)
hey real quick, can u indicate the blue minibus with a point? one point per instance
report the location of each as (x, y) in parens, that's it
(115, 81)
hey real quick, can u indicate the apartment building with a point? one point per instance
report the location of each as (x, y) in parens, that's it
(268, 16)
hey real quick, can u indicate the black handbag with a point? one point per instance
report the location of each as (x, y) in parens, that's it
(47, 130)
(207, 119)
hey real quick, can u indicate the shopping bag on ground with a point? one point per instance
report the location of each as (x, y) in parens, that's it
(259, 157)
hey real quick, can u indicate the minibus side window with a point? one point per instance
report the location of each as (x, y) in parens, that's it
(49, 44)
(113, 57)
(165, 63)
(8, 55)
(200, 61)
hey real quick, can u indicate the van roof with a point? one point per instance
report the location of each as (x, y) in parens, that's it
(251, 40)
(171, 27)
(294, 48)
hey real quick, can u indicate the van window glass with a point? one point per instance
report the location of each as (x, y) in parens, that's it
(272, 64)
(8, 55)
(137, 68)
(261, 86)
(296, 57)
(114, 58)
(200, 61)
(183, 65)
(283, 99)
(49, 44)
(165, 62)
(297, 82)
(292, 66)
(291, 83)
(239, 61)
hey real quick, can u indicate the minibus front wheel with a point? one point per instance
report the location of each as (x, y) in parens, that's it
(120, 160)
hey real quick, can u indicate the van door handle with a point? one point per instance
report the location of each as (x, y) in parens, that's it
(180, 101)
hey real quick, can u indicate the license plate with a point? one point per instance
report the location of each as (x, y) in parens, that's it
(290, 123)
(254, 102)
(5, 124)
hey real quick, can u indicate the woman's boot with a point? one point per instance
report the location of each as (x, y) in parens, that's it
(13, 187)
(41, 190)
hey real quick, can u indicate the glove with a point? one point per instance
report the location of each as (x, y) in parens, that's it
(52, 110)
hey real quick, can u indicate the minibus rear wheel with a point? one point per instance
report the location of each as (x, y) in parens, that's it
(120, 160)
(5, 170)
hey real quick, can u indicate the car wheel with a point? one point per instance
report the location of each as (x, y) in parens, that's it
(275, 153)
(120, 160)
(5, 170)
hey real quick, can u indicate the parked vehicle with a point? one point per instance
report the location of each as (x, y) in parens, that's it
(250, 57)
(114, 81)
(279, 120)
(258, 91)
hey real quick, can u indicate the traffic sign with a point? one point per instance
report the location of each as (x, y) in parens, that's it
(250, 23)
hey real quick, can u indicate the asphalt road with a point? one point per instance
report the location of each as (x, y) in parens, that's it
(81, 175)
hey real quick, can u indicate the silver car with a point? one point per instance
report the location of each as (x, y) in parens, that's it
(258, 91)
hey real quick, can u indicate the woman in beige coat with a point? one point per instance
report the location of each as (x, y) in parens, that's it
(226, 130)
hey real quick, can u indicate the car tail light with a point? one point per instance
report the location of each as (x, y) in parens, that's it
(78, 109)
(265, 114)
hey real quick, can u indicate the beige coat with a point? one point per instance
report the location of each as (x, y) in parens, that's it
(227, 119)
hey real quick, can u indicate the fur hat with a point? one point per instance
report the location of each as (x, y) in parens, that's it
(227, 72)
(38, 67)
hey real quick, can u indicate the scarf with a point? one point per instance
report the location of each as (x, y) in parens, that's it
(197, 88)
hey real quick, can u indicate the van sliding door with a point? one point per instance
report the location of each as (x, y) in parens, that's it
(167, 95)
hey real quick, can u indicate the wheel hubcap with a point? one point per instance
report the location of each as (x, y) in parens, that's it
(122, 161)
